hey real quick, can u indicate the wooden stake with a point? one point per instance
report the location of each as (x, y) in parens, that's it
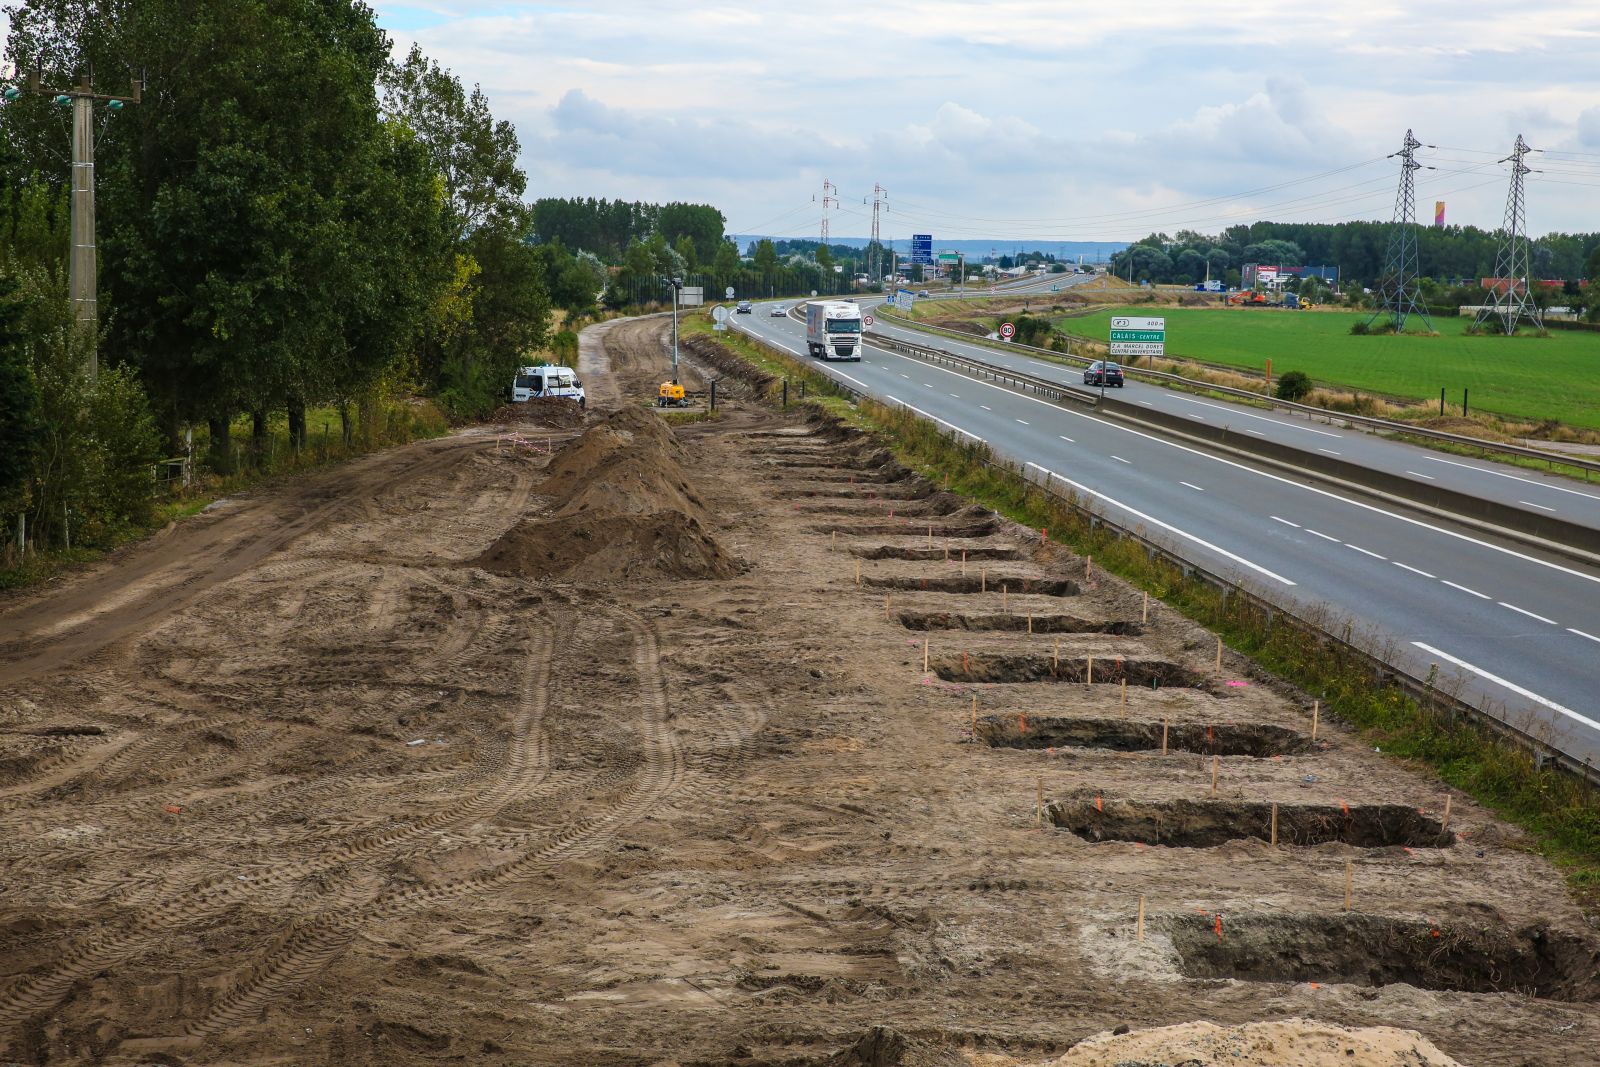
(963, 563)
(1349, 875)
(1038, 811)
(1444, 827)
(974, 716)
(1030, 622)
(858, 572)
(1140, 927)
(1145, 615)
(924, 655)
(1214, 762)
(1163, 737)
(983, 579)
(1316, 709)
(1274, 824)
(1005, 598)
(1089, 677)
(930, 537)
(836, 539)
(1124, 692)
(1088, 567)
(1055, 664)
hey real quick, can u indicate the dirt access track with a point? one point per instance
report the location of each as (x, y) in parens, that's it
(425, 759)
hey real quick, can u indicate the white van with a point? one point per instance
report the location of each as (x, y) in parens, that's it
(547, 380)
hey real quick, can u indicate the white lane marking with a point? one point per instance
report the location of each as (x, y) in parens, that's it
(1191, 485)
(1330, 451)
(1513, 477)
(1247, 429)
(956, 395)
(1324, 536)
(1025, 422)
(1517, 689)
(1147, 403)
(1413, 570)
(1541, 507)
(986, 407)
(1464, 589)
(1263, 418)
(1286, 522)
(1198, 418)
(1068, 440)
(1419, 474)
(1366, 552)
(907, 377)
(1186, 535)
(1373, 508)
(1580, 633)
(1525, 611)
(936, 418)
(1119, 459)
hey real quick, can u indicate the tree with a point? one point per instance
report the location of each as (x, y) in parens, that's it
(824, 258)
(686, 252)
(726, 263)
(1591, 269)
(19, 403)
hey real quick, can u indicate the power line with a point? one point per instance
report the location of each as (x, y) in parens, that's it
(1513, 289)
(1399, 292)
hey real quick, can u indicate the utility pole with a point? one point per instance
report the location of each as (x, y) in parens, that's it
(830, 196)
(82, 270)
(1512, 267)
(677, 284)
(1399, 293)
(875, 268)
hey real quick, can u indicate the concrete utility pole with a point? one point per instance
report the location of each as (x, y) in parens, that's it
(82, 267)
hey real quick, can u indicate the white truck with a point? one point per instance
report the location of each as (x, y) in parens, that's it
(546, 380)
(833, 329)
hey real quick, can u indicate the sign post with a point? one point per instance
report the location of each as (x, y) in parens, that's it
(1007, 331)
(720, 314)
(1138, 336)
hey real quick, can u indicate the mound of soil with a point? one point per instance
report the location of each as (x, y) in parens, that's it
(556, 412)
(609, 548)
(1297, 1041)
(622, 510)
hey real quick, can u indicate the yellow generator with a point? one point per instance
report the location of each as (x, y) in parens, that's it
(671, 395)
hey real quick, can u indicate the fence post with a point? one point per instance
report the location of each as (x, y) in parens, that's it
(713, 394)
(786, 392)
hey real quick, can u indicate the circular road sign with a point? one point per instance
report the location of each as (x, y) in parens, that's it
(719, 313)
(866, 320)
(1007, 330)
(1121, 324)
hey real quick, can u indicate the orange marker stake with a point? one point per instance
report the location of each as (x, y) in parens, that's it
(1219, 926)
(1097, 805)
(1022, 723)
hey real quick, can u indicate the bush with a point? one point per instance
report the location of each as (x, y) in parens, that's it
(564, 348)
(1360, 329)
(1294, 385)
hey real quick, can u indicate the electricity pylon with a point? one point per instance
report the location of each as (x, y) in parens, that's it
(875, 268)
(1399, 294)
(1513, 274)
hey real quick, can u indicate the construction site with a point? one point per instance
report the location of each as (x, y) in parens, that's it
(605, 739)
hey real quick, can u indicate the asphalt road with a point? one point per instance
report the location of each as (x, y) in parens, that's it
(1519, 629)
(1516, 487)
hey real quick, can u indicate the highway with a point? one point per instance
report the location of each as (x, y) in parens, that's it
(1519, 628)
(1517, 487)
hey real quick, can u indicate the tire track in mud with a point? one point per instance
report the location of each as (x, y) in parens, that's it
(307, 950)
(517, 773)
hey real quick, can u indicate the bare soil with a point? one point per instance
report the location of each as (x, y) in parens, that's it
(314, 779)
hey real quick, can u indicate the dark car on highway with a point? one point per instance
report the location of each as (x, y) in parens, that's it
(1102, 373)
(744, 308)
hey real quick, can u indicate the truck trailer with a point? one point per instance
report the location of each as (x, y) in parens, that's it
(833, 329)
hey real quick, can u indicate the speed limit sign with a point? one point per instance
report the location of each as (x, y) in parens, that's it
(1007, 330)
(867, 320)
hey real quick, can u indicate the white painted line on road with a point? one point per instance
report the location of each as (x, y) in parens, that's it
(1286, 522)
(937, 419)
(1068, 440)
(1257, 433)
(1517, 689)
(1025, 422)
(956, 395)
(1580, 633)
(1464, 589)
(1263, 418)
(1119, 459)
(1186, 535)
(986, 407)
(1541, 507)
(907, 377)
(1330, 451)
(1147, 403)
(1419, 474)
(1413, 570)
(1324, 536)
(1191, 485)
(1373, 508)
(1366, 552)
(1513, 477)
(1525, 611)
(1198, 418)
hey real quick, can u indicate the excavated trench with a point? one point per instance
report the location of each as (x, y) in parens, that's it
(1372, 950)
(843, 474)
(890, 491)
(1209, 823)
(1042, 624)
(893, 529)
(972, 583)
(943, 504)
(1110, 670)
(922, 553)
(1121, 735)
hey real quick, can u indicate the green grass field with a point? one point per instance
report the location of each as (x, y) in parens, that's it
(1554, 377)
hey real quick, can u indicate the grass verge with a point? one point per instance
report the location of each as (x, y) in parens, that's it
(1560, 812)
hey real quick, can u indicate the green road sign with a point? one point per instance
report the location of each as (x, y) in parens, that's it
(1138, 335)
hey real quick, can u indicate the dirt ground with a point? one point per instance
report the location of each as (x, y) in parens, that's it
(374, 768)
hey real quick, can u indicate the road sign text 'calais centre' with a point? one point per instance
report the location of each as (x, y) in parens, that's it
(1138, 336)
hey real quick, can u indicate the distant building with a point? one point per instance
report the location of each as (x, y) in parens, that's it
(1272, 276)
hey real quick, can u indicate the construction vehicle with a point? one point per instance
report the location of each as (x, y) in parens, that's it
(1249, 298)
(671, 395)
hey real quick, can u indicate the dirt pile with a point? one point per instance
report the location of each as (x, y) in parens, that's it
(622, 510)
(1297, 1041)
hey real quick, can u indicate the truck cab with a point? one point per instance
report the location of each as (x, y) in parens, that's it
(833, 329)
(546, 380)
